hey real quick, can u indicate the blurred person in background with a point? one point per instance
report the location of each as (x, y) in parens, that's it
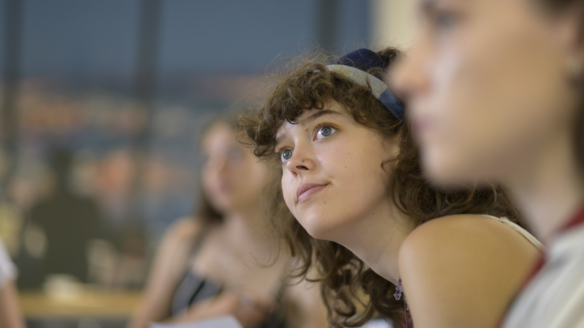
(351, 200)
(225, 260)
(10, 316)
(59, 230)
(496, 93)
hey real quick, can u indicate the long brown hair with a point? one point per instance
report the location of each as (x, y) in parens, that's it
(309, 85)
(205, 212)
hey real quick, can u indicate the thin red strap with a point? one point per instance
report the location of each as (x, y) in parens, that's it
(576, 220)
(534, 271)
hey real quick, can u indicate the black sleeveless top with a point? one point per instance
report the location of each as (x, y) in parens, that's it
(195, 288)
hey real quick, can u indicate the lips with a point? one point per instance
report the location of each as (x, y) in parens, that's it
(307, 190)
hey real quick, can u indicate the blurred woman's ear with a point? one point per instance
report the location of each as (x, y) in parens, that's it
(575, 68)
(572, 35)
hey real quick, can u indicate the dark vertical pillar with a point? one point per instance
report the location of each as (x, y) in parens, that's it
(148, 44)
(12, 46)
(145, 88)
(327, 25)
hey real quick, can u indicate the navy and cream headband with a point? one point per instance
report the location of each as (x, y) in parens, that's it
(355, 66)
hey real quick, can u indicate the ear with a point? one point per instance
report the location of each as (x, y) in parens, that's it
(569, 33)
(392, 146)
(578, 21)
(571, 23)
(580, 39)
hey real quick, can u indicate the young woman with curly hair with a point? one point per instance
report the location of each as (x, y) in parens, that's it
(352, 202)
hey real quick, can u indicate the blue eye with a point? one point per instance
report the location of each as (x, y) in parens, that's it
(325, 131)
(286, 155)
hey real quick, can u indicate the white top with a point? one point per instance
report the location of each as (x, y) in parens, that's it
(555, 296)
(520, 230)
(7, 269)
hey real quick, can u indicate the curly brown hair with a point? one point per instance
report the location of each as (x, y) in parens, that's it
(345, 278)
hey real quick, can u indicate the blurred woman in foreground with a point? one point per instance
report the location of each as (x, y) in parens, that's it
(496, 93)
(215, 264)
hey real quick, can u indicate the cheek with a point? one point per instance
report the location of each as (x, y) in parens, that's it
(496, 88)
(207, 178)
(358, 178)
(288, 191)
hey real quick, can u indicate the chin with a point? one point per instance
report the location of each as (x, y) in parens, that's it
(222, 205)
(441, 172)
(316, 232)
(319, 227)
(450, 177)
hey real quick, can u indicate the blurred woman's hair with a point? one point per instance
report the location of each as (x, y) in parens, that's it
(205, 212)
(553, 7)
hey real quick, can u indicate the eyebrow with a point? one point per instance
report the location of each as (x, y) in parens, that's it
(313, 117)
(320, 113)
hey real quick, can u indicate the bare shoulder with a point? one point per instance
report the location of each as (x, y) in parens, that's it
(168, 268)
(179, 237)
(173, 252)
(186, 227)
(466, 233)
(446, 262)
(183, 229)
(305, 304)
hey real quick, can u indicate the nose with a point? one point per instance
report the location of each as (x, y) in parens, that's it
(408, 76)
(302, 161)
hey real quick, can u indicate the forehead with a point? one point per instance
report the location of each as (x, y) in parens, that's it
(308, 116)
(219, 134)
(431, 7)
(433, 3)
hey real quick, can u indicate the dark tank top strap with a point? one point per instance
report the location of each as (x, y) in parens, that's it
(276, 319)
(193, 288)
